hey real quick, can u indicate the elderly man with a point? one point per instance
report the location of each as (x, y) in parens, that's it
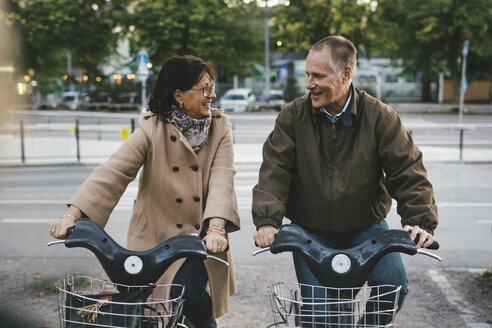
(334, 161)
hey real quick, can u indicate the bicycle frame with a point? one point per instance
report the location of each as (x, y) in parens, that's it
(128, 267)
(342, 267)
(342, 300)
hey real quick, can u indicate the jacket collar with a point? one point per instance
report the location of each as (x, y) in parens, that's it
(351, 109)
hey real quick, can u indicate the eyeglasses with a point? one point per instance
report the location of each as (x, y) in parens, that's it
(207, 90)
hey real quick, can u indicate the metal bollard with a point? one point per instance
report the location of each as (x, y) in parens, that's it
(77, 139)
(461, 144)
(23, 151)
(99, 129)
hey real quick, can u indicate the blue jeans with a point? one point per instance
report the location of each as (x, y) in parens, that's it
(389, 270)
(197, 305)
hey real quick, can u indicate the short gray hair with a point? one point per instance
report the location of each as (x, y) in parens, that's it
(342, 50)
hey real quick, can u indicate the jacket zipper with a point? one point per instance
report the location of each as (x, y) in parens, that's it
(333, 137)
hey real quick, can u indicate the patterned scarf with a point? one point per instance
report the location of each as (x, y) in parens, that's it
(195, 130)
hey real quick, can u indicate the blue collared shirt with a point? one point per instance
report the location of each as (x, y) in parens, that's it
(334, 118)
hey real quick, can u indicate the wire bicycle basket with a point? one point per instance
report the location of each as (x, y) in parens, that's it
(89, 302)
(367, 306)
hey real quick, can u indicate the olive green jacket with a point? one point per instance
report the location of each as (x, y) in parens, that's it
(335, 178)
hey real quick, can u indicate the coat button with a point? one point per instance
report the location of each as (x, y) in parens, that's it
(194, 167)
(196, 198)
(175, 169)
(197, 226)
(179, 225)
(173, 138)
(179, 200)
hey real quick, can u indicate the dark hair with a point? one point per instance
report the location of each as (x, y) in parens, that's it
(342, 51)
(177, 73)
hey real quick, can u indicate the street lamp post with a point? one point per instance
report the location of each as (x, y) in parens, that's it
(267, 52)
(143, 74)
(463, 85)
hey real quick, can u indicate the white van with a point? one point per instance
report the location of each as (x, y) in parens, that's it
(238, 100)
(70, 100)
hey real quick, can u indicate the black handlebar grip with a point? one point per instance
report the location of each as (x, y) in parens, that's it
(69, 230)
(434, 245)
(227, 247)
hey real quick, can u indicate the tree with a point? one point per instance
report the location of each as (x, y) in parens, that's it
(225, 34)
(430, 34)
(304, 22)
(50, 29)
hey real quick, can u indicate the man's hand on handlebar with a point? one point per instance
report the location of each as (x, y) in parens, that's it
(421, 237)
(265, 236)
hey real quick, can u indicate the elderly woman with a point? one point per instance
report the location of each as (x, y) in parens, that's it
(186, 184)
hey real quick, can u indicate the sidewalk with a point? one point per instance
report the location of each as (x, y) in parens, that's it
(59, 145)
(56, 151)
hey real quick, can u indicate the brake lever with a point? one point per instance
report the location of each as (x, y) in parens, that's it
(212, 257)
(424, 251)
(263, 250)
(62, 241)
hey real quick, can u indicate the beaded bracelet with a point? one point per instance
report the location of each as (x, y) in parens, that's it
(216, 228)
(70, 216)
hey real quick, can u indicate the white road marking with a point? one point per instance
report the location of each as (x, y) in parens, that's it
(454, 297)
(463, 204)
(126, 204)
(24, 220)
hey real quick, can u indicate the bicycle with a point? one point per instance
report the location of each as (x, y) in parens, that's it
(343, 299)
(131, 299)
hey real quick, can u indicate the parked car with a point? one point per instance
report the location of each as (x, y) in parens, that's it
(127, 101)
(273, 100)
(98, 100)
(238, 100)
(70, 100)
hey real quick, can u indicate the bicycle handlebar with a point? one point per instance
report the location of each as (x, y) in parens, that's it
(128, 267)
(342, 267)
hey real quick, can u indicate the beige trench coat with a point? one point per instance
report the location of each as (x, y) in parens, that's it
(179, 190)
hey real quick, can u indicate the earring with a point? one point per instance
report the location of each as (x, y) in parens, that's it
(180, 105)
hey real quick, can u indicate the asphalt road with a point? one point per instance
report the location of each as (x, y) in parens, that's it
(30, 197)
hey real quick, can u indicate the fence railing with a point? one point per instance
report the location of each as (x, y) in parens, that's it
(28, 137)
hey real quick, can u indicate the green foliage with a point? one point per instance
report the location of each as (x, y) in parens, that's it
(46, 285)
(426, 35)
(49, 28)
(229, 37)
(484, 281)
(430, 34)
(305, 22)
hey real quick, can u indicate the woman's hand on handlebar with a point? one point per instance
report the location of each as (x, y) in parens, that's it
(215, 240)
(215, 243)
(265, 235)
(58, 228)
(420, 236)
